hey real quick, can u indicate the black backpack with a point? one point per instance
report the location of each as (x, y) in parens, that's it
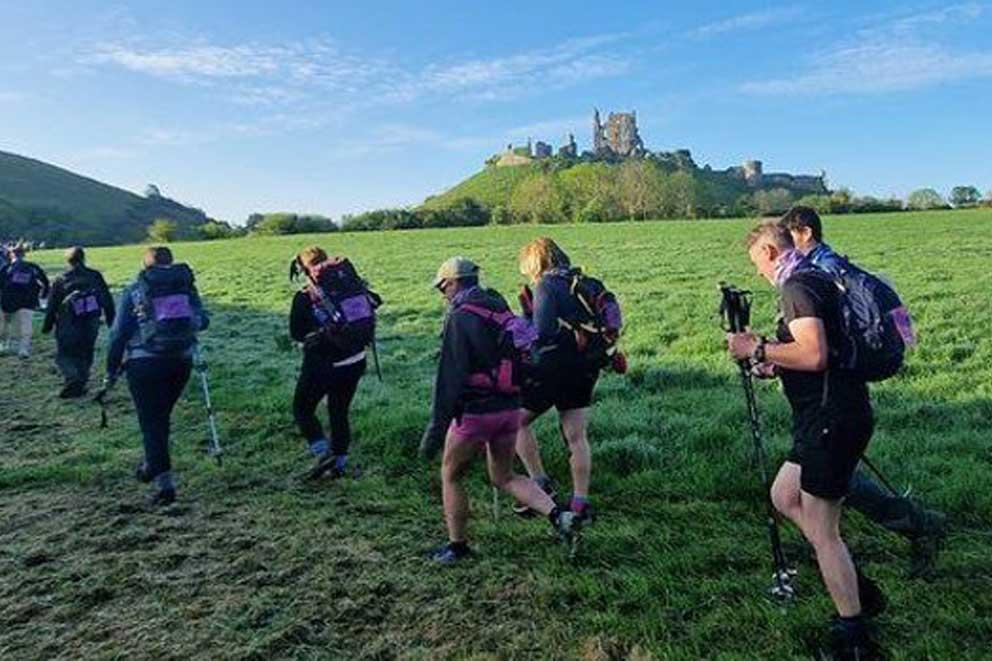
(81, 304)
(876, 324)
(167, 321)
(21, 280)
(598, 324)
(343, 305)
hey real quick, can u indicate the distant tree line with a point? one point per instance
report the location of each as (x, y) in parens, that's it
(637, 189)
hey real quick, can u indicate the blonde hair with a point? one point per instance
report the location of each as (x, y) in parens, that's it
(771, 232)
(540, 256)
(311, 255)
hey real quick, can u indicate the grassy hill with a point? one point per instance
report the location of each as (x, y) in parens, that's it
(492, 186)
(664, 185)
(251, 564)
(43, 202)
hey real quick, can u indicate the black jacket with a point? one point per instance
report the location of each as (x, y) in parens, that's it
(14, 296)
(78, 278)
(468, 345)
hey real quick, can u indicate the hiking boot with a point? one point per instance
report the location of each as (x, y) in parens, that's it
(71, 391)
(924, 547)
(162, 497)
(873, 600)
(586, 515)
(142, 475)
(567, 525)
(847, 644)
(450, 553)
(547, 486)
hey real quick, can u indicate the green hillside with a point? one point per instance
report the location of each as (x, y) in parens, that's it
(587, 189)
(42, 202)
(492, 186)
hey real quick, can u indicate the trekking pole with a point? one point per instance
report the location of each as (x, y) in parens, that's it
(881, 478)
(200, 364)
(101, 398)
(735, 308)
(375, 359)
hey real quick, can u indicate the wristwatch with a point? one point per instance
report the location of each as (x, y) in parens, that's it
(758, 355)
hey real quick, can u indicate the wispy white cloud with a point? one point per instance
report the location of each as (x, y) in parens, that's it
(873, 68)
(746, 22)
(897, 53)
(264, 75)
(173, 137)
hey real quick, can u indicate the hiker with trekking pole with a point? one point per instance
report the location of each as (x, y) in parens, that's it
(925, 529)
(832, 422)
(153, 343)
(334, 318)
(476, 404)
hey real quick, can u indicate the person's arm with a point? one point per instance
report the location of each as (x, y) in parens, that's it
(43, 281)
(125, 325)
(106, 301)
(452, 374)
(197, 304)
(546, 312)
(807, 352)
(300, 318)
(54, 303)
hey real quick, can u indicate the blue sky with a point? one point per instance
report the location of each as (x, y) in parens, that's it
(333, 107)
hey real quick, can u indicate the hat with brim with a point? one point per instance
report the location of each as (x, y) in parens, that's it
(455, 269)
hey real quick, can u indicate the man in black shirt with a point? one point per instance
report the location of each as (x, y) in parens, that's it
(831, 422)
(79, 297)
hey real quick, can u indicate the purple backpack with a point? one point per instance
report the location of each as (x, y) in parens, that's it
(516, 342)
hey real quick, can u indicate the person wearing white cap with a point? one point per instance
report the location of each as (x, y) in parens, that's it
(476, 404)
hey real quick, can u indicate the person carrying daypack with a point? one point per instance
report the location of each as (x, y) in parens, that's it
(152, 341)
(476, 402)
(79, 297)
(334, 317)
(924, 529)
(832, 424)
(22, 286)
(578, 323)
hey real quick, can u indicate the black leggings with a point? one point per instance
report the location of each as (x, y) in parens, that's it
(319, 378)
(156, 385)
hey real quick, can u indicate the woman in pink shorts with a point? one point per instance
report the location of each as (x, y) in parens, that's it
(476, 406)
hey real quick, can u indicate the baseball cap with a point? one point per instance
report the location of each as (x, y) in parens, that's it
(454, 269)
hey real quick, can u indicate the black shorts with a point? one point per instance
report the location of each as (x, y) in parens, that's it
(564, 390)
(828, 447)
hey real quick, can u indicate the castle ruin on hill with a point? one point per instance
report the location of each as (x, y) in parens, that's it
(618, 139)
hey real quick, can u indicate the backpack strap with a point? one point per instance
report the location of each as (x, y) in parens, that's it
(496, 317)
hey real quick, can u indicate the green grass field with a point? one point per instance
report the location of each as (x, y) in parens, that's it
(251, 564)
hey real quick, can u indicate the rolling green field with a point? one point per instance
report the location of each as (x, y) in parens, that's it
(251, 564)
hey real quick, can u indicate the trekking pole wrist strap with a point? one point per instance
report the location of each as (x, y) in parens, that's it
(758, 355)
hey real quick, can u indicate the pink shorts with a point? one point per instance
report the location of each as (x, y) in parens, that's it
(486, 428)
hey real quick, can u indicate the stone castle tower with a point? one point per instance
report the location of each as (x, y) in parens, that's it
(618, 137)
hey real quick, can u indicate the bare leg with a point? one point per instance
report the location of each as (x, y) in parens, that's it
(574, 424)
(819, 521)
(458, 457)
(525, 490)
(527, 445)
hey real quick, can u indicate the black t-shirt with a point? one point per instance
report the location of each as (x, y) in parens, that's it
(810, 294)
